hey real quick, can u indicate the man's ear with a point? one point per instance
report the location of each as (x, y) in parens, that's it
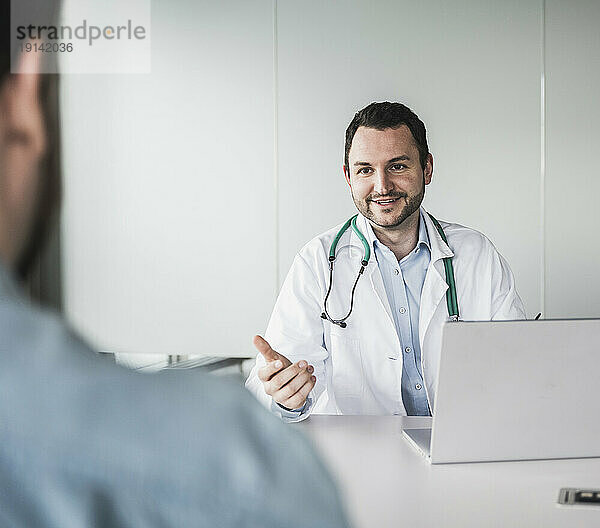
(428, 170)
(346, 174)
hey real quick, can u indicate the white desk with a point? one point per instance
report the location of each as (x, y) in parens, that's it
(386, 483)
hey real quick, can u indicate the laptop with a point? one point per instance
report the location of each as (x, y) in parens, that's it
(515, 390)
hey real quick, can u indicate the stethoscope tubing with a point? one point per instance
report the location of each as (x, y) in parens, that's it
(451, 298)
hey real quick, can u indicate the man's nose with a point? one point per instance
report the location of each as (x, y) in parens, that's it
(382, 184)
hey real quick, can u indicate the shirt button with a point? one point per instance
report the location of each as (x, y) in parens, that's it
(408, 350)
(402, 310)
(418, 386)
(396, 271)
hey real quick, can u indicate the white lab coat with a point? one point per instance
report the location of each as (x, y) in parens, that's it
(359, 368)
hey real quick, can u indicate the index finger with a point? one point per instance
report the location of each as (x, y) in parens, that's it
(264, 348)
(269, 370)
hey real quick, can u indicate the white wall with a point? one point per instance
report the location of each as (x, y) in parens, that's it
(169, 206)
(239, 131)
(572, 185)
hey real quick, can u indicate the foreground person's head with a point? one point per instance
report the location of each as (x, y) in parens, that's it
(29, 145)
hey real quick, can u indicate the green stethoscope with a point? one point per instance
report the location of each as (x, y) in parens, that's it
(451, 299)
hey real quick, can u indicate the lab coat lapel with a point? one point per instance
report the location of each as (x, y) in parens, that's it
(379, 289)
(434, 287)
(372, 269)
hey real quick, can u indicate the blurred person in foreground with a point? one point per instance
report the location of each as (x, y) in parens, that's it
(84, 442)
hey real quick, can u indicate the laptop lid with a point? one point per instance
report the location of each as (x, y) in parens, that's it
(517, 390)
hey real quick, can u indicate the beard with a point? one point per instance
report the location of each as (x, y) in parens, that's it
(384, 219)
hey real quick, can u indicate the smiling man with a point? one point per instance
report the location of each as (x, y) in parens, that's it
(358, 324)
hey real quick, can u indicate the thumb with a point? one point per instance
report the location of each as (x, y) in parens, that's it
(265, 349)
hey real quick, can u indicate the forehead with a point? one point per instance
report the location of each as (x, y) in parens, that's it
(372, 145)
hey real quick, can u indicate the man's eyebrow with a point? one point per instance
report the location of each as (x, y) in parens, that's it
(404, 157)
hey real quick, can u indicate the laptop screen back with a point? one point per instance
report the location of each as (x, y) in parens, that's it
(517, 390)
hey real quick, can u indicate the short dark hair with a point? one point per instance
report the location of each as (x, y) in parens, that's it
(388, 115)
(4, 39)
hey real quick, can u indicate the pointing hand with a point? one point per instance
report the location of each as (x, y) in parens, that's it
(287, 383)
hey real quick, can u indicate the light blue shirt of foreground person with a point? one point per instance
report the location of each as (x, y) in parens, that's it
(84, 442)
(403, 282)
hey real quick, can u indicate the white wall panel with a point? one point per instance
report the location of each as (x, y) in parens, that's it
(470, 69)
(178, 232)
(572, 173)
(169, 210)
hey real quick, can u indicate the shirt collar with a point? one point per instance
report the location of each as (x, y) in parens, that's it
(437, 247)
(422, 241)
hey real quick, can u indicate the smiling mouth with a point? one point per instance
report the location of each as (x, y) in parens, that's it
(386, 202)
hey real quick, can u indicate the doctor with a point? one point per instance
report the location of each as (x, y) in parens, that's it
(383, 357)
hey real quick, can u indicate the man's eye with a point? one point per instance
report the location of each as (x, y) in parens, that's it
(398, 166)
(365, 170)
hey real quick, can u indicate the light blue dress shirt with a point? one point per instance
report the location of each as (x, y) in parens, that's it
(403, 282)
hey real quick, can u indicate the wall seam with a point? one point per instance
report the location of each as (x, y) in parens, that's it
(543, 160)
(276, 146)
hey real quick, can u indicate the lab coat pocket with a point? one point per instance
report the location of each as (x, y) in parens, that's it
(347, 374)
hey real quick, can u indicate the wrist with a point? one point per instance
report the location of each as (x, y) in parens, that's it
(298, 409)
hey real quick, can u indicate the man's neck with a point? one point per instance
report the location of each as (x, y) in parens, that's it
(401, 239)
